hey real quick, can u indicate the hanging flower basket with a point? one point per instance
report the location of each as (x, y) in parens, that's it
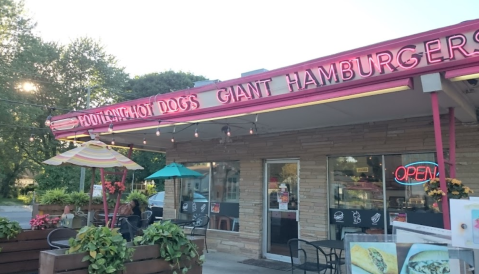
(115, 188)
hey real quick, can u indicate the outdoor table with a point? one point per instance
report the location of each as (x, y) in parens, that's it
(332, 245)
(179, 222)
(61, 243)
(110, 216)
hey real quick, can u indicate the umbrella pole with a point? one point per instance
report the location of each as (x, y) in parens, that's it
(91, 197)
(117, 204)
(105, 204)
(174, 191)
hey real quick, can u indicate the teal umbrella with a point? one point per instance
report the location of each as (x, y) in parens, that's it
(173, 171)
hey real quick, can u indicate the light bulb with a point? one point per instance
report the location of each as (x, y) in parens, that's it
(110, 128)
(48, 121)
(251, 131)
(158, 133)
(196, 133)
(172, 139)
(32, 138)
(228, 132)
(144, 141)
(113, 141)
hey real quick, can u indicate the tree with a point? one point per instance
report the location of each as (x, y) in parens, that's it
(158, 83)
(56, 76)
(150, 85)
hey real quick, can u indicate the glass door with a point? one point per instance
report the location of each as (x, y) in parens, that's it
(281, 207)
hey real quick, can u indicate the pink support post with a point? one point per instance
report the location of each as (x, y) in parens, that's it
(105, 203)
(440, 159)
(452, 143)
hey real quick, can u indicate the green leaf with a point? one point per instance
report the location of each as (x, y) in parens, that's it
(110, 269)
(95, 266)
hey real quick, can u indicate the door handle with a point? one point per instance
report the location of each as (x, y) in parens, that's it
(297, 216)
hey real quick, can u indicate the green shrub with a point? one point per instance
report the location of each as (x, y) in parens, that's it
(79, 199)
(106, 249)
(150, 190)
(142, 199)
(55, 196)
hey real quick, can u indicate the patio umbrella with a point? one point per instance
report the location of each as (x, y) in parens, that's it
(94, 154)
(173, 171)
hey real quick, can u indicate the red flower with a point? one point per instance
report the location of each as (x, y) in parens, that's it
(114, 188)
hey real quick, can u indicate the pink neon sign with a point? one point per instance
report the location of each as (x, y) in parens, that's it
(141, 110)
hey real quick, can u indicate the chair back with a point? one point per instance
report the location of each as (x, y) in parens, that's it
(60, 234)
(146, 218)
(307, 256)
(129, 225)
(97, 220)
(200, 225)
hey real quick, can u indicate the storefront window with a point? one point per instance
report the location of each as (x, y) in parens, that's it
(224, 211)
(195, 192)
(356, 182)
(405, 196)
(219, 199)
(357, 193)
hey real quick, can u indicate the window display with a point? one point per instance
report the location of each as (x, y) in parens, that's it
(367, 192)
(216, 194)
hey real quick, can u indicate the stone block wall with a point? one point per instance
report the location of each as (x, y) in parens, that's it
(312, 147)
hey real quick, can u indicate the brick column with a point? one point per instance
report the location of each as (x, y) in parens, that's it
(251, 206)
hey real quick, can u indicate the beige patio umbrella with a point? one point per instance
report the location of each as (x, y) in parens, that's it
(95, 154)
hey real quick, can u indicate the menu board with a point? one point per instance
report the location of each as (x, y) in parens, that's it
(396, 258)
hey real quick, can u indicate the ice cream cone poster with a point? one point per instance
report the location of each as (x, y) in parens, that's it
(465, 226)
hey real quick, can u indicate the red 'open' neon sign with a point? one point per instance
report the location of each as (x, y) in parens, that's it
(416, 173)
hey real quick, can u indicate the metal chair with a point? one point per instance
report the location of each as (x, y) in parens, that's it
(97, 220)
(60, 234)
(200, 227)
(309, 257)
(129, 227)
(146, 218)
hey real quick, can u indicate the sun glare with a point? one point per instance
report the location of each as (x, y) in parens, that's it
(29, 87)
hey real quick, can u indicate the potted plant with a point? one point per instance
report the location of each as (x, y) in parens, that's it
(41, 222)
(455, 190)
(174, 246)
(164, 248)
(8, 229)
(20, 249)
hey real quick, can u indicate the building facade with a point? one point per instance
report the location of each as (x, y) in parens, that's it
(334, 145)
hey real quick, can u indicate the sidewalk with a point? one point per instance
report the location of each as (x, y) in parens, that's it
(222, 263)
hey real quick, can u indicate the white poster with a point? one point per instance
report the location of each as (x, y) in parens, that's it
(96, 191)
(465, 224)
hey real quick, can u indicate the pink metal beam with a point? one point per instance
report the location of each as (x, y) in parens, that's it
(440, 159)
(452, 143)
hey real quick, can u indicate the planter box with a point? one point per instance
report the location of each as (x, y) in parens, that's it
(145, 260)
(58, 209)
(22, 254)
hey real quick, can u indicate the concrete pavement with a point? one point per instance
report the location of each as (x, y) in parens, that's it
(222, 263)
(21, 214)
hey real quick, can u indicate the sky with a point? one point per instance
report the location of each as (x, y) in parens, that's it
(222, 39)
